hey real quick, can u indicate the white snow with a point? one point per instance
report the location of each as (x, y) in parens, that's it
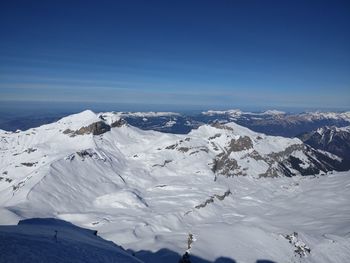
(327, 115)
(170, 123)
(146, 114)
(233, 113)
(138, 189)
(273, 112)
(35, 241)
(238, 112)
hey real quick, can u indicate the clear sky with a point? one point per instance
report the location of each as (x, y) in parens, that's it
(178, 53)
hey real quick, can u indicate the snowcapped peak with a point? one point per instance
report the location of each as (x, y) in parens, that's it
(238, 112)
(324, 129)
(274, 112)
(327, 115)
(78, 120)
(147, 114)
(216, 127)
(233, 112)
(83, 115)
(346, 129)
(320, 131)
(110, 117)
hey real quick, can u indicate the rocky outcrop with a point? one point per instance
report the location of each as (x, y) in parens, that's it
(300, 248)
(118, 123)
(242, 143)
(95, 128)
(212, 199)
(224, 165)
(162, 165)
(227, 166)
(293, 160)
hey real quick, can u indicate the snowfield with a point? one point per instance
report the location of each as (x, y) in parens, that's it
(52, 240)
(160, 194)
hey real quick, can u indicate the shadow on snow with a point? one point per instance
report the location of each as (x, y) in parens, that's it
(166, 255)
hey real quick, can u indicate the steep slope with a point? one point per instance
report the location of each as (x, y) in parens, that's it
(52, 240)
(148, 190)
(331, 139)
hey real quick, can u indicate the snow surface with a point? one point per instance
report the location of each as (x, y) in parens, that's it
(34, 241)
(140, 190)
(273, 112)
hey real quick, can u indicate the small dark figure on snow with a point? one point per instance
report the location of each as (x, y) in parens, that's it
(55, 236)
(185, 258)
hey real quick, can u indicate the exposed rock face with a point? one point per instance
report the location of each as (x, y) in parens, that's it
(29, 164)
(88, 153)
(300, 248)
(118, 123)
(331, 139)
(96, 128)
(224, 165)
(242, 143)
(287, 162)
(212, 199)
(68, 131)
(227, 166)
(218, 125)
(290, 165)
(162, 165)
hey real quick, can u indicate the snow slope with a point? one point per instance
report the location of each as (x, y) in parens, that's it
(34, 240)
(149, 191)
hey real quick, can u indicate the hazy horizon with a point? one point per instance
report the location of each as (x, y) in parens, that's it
(29, 107)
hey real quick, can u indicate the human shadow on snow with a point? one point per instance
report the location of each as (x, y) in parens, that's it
(167, 255)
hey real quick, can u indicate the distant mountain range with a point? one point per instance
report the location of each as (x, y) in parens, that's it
(271, 122)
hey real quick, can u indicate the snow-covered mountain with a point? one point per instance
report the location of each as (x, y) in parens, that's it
(200, 191)
(331, 139)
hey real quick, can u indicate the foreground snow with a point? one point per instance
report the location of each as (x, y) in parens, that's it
(52, 240)
(153, 191)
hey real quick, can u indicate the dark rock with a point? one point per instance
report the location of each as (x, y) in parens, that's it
(330, 139)
(67, 131)
(96, 128)
(29, 164)
(118, 123)
(242, 143)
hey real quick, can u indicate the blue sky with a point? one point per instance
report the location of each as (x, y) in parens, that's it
(209, 54)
